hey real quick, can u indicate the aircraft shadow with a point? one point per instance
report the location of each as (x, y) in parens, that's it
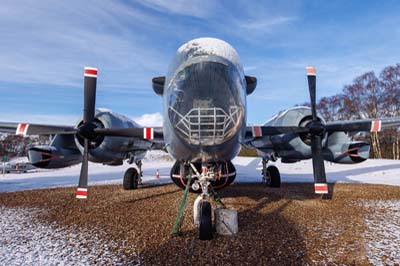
(265, 235)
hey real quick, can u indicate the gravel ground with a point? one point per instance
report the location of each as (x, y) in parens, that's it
(286, 226)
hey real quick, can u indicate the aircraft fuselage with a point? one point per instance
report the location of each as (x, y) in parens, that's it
(204, 102)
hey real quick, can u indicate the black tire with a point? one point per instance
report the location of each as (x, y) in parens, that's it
(205, 229)
(274, 175)
(131, 179)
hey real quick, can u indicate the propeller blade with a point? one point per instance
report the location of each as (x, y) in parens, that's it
(366, 125)
(316, 130)
(145, 133)
(311, 77)
(89, 101)
(276, 130)
(263, 131)
(81, 192)
(320, 185)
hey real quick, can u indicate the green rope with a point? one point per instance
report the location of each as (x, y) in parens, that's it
(216, 198)
(179, 219)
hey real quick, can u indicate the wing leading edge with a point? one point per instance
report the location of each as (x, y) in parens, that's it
(25, 129)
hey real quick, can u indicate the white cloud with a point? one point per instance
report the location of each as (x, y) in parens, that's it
(50, 42)
(194, 8)
(150, 120)
(65, 120)
(266, 24)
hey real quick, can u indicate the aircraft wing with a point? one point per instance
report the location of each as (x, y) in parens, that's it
(372, 125)
(24, 129)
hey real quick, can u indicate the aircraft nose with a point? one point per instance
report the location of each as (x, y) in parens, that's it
(205, 102)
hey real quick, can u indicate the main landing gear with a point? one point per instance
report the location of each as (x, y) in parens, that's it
(270, 175)
(133, 177)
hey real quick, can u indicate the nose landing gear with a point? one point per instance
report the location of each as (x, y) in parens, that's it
(202, 207)
(202, 210)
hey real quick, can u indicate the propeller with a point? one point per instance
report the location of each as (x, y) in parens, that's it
(316, 130)
(86, 130)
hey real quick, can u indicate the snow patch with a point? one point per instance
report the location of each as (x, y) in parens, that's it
(25, 241)
(383, 235)
(248, 169)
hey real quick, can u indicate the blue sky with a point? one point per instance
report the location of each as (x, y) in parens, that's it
(45, 45)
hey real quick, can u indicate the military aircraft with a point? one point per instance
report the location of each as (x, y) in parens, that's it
(204, 126)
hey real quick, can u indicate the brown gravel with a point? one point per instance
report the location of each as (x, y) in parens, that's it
(286, 226)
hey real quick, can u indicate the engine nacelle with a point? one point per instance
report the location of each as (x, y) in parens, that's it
(50, 157)
(110, 149)
(338, 147)
(293, 147)
(341, 149)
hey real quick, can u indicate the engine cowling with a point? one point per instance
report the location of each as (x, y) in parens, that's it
(341, 149)
(225, 174)
(50, 157)
(111, 150)
(293, 147)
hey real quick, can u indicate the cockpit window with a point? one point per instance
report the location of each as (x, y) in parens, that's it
(206, 101)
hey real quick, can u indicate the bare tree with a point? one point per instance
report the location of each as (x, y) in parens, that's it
(369, 97)
(390, 83)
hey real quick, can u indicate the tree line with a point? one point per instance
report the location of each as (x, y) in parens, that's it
(369, 96)
(13, 145)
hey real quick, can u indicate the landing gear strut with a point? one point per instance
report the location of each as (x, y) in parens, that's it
(133, 177)
(270, 175)
(202, 207)
(202, 203)
(140, 172)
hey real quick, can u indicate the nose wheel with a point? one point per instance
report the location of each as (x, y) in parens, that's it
(205, 228)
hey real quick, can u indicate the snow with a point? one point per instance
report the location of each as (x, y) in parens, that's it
(19, 160)
(24, 241)
(210, 46)
(383, 234)
(248, 170)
